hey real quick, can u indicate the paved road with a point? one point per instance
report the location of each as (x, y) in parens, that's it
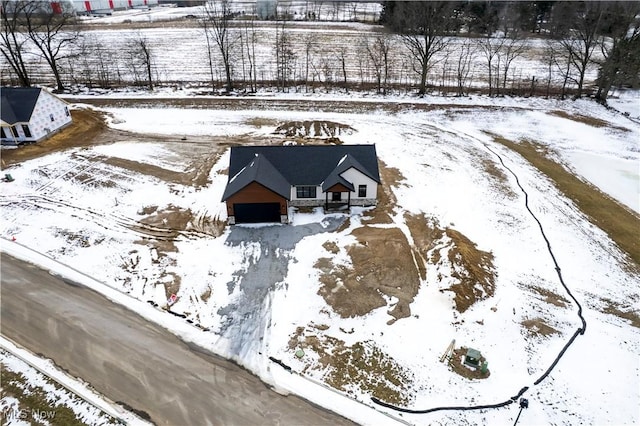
(131, 360)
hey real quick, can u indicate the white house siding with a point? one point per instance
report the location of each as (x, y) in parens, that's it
(352, 175)
(295, 201)
(48, 106)
(357, 179)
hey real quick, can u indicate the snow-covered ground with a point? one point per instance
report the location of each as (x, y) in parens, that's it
(83, 211)
(87, 406)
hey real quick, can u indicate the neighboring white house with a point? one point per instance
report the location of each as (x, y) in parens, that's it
(264, 181)
(29, 114)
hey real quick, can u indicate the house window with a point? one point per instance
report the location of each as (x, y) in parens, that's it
(305, 191)
(66, 111)
(2, 133)
(26, 131)
(51, 117)
(362, 191)
(336, 196)
(14, 132)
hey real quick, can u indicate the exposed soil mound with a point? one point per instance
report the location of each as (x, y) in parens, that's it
(314, 129)
(362, 364)
(457, 365)
(381, 265)
(538, 327)
(390, 176)
(472, 268)
(425, 234)
(87, 125)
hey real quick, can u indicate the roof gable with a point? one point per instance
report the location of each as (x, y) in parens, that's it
(347, 162)
(259, 170)
(18, 103)
(309, 164)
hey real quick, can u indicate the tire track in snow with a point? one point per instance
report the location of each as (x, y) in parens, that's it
(105, 220)
(579, 331)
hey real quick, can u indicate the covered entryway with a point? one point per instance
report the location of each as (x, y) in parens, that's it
(256, 212)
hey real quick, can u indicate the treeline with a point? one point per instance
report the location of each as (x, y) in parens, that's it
(580, 29)
(452, 46)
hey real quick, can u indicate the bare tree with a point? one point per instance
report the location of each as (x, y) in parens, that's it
(13, 36)
(562, 61)
(513, 48)
(285, 56)
(620, 49)
(490, 48)
(218, 15)
(580, 36)
(141, 60)
(51, 33)
(309, 41)
(250, 39)
(378, 52)
(423, 26)
(205, 23)
(342, 53)
(466, 54)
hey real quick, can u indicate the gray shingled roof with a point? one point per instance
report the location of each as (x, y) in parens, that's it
(259, 170)
(17, 103)
(345, 163)
(300, 165)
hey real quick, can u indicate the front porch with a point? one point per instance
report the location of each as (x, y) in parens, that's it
(337, 200)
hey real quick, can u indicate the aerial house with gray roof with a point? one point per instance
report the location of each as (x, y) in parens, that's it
(30, 114)
(264, 181)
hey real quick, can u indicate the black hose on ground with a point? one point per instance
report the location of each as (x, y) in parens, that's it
(580, 331)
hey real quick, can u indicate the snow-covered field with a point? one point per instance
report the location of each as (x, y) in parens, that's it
(85, 211)
(180, 58)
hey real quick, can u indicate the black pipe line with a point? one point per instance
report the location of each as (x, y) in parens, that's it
(578, 332)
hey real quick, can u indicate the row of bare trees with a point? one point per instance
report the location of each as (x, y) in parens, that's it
(33, 22)
(419, 40)
(575, 30)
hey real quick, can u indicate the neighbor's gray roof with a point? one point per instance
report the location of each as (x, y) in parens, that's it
(259, 170)
(301, 165)
(17, 103)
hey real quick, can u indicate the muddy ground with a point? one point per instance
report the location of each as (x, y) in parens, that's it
(396, 277)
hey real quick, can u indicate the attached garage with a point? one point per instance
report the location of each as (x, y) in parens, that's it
(256, 212)
(257, 193)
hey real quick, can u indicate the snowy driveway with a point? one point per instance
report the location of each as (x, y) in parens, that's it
(247, 316)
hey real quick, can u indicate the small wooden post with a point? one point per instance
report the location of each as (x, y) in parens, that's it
(449, 352)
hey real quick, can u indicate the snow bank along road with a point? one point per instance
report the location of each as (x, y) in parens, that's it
(131, 360)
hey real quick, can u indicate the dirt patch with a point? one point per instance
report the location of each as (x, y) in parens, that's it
(359, 289)
(167, 224)
(262, 122)
(538, 327)
(362, 365)
(472, 268)
(314, 129)
(499, 181)
(425, 234)
(620, 223)
(550, 297)
(625, 313)
(331, 247)
(172, 219)
(457, 365)
(171, 283)
(390, 177)
(585, 119)
(86, 126)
